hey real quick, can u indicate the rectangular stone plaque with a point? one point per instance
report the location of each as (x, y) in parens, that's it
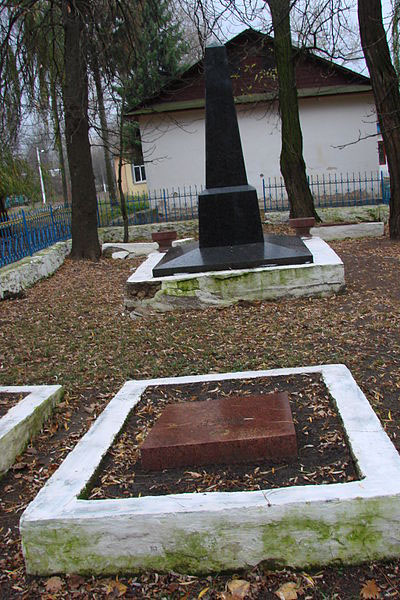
(236, 429)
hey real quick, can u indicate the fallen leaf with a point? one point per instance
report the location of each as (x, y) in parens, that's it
(53, 585)
(19, 466)
(75, 581)
(308, 579)
(193, 474)
(121, 588)
(289, 591)
(203, 591)
(370, 590)
(239, 588)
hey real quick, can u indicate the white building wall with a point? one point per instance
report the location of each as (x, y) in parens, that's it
(174, 144)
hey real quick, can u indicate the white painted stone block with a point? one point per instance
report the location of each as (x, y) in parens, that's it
(25, 419)
(355, 230)
(196, 533)
(145, 293)
(18, 276)
(132, 248)
(120, 255)
(182, 241)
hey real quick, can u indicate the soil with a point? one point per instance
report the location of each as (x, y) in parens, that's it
(8, 400)
(323, 454)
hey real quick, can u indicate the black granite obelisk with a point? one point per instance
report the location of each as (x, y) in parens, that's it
(228, 208)
(230, 231)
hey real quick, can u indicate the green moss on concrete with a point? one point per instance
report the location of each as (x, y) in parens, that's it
(63, 550)
(184, 287)
(353, 537)
(257, 284)
(354, 532)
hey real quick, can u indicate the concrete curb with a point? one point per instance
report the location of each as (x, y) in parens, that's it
(18, 276)
(25, 419)
(354, 230)
(293, 526)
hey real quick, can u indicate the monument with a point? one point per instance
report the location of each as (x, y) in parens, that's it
(225, 430)
(230, 230)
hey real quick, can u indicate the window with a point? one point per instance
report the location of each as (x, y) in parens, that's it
(139, 174)
(381, 153)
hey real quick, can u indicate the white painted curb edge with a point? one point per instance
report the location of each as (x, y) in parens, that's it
(349, 522)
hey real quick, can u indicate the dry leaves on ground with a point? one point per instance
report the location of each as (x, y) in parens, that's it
(69, 329)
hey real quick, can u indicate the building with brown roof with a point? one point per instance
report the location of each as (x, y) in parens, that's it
(336, 109)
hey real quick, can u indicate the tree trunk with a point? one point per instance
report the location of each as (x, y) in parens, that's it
(293, 167)
(104, 131)
(120, 162)
(385, 87)
(3, 210)
(58, 140)
(122, 201)
(85, 241)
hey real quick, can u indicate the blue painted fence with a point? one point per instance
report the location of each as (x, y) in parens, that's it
(332, 190)
(28, 231)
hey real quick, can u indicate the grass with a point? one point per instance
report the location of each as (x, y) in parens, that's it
(70, 329)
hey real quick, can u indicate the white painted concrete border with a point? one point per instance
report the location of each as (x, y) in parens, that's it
(353, 230)
(24, 273)
(145, 293)
(295, 526)
(25, 419)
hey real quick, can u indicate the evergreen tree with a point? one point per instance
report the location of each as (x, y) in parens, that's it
(156, 59)
(143, 69)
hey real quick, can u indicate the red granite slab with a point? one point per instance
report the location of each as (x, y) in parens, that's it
(229, 430)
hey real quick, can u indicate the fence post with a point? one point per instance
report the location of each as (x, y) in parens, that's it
(264, 198)
(165, 206)
(27, 232)
(53, 224)
(98, 212)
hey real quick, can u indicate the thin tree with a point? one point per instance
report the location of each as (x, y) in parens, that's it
(293, 167)
(58, 140)
(146, 67)
(385, 87)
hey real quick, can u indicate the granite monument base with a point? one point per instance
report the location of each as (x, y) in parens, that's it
(275, 250)
(146, 294)
(231, 430)
(229, 215)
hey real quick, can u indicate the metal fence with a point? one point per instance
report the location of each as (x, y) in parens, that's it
(355, 189)
(12, 201)
(27, 231)
(180, 204)
(157, 206)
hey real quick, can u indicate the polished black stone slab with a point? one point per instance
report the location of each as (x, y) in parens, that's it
(229, 216)
(274, 251)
